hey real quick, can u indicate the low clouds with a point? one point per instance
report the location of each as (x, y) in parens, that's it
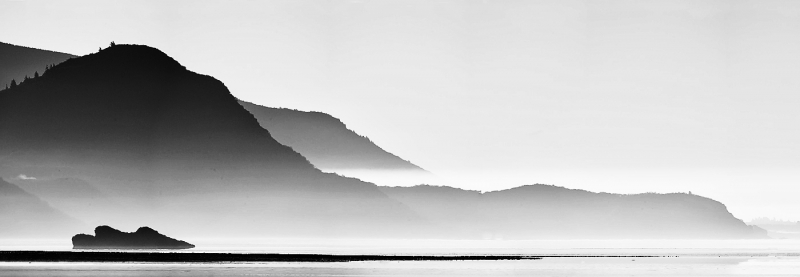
(25, 177)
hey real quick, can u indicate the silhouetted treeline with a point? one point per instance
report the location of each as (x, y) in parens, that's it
(19, 61)
(47, 67)
(36, 75)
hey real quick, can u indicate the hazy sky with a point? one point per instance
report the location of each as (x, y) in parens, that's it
(616, 96)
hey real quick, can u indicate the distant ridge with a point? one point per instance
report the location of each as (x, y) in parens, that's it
(551, 212)
(73, 196)
(778, 229)
(19, 61)
(25, 215)
(325, 140)
(332, 147)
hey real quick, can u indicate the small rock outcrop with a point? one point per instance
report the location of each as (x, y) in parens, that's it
(106, 237)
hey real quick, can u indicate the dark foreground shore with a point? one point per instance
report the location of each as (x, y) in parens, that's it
(194, 257)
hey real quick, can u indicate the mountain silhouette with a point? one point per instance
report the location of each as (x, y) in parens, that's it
(129, 137)
(136, 103)
(323, 139)
(25, 215)
(16, 62)
(106, 237)
(551, 212)
(332, 147)
(134, 122)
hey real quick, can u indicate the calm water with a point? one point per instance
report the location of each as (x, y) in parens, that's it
(694, 258)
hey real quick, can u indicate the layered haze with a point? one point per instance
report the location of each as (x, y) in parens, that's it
(128, 137)
(26, 216)
(158, 139)
(616, 96)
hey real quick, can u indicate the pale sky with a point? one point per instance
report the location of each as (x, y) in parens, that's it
(612, 96)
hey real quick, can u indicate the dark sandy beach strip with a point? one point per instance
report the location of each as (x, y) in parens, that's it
(194, 257)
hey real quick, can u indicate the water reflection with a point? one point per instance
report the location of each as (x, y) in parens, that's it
(676, 266)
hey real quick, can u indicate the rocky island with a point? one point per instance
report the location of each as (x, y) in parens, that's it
(106, 237)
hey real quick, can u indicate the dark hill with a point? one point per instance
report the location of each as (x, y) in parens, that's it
(106, 237)
(137, 103)
(177, 144)
(25, 215)
(550, 212)
(16, 62)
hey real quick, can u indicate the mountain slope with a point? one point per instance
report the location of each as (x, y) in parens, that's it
(332, 147)
(136, 102)
(325, 140)
(24, 215)
(73, 196)
(175, 144)
(19, 61)
(549, 212)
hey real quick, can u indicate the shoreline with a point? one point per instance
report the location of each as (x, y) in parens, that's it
(194, 257)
